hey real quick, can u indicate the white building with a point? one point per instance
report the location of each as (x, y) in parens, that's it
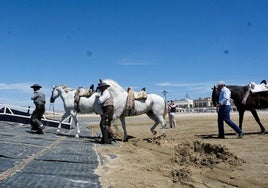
(184, 104)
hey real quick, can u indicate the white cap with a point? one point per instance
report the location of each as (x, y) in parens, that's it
(221, 83)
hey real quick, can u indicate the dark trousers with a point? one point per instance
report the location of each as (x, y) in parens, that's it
(105, 123)
(37, 116)
(224, 115)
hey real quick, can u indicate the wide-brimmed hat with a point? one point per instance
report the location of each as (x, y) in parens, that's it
(221, 83)
(103, 84)
(36, 86)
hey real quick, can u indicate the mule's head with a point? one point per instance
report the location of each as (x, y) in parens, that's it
(215, 95)
(54, 94)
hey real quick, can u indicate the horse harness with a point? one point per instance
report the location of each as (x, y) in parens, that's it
(132, 96)
(246, 95)
(78, 94)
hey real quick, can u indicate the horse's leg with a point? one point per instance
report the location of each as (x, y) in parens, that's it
(74, 115)
(163, 123)
(152, 116)
(63, 118)
(154, 132)
(241, 117)
(160, 119)
(123, 122)
(255, 115)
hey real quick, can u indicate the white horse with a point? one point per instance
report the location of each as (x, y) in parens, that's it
(154, 106)
(86, 105)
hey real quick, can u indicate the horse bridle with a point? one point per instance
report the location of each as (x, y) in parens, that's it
(52, 100)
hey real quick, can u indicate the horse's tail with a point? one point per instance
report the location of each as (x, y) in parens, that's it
(165, 110)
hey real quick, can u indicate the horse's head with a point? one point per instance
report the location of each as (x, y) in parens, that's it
(114, 88)
(54, 94)
(215, 95)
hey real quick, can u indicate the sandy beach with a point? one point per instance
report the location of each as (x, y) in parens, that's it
(188, 156)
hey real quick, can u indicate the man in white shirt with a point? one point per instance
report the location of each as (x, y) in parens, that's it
(106, 100)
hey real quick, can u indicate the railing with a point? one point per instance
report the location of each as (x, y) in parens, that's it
(22, 115)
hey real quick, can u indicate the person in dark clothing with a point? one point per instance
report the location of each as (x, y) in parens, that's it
(39, 100)
(106, 100)
(171, 114)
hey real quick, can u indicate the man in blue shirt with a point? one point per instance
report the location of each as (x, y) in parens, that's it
(224, 108)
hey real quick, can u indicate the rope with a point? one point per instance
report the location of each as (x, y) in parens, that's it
(53, 108)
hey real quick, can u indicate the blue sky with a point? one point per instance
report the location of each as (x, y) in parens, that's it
(181, 46)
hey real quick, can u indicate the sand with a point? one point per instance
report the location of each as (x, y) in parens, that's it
(188, 156)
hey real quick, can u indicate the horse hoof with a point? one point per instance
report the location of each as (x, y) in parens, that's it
(58, 131)
(77, 136)
(154, 132)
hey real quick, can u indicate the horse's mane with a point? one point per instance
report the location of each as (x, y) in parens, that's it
(65, 88)
(114, 84)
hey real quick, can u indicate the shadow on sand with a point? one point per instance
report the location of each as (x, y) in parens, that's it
(215, 136)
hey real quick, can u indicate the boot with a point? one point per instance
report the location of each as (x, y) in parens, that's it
(41, 126)
(105, 136)
(40, 131)
(34, 127)
(111, 134)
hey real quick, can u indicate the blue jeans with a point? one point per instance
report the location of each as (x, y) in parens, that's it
(224, 115)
